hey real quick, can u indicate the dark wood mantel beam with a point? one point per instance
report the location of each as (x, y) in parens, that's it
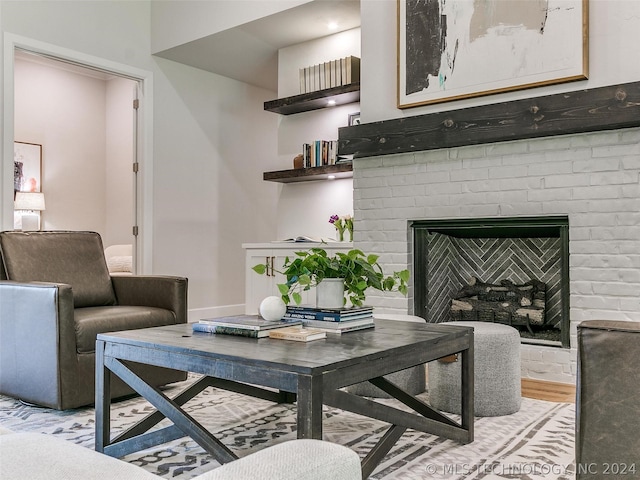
(603, 108)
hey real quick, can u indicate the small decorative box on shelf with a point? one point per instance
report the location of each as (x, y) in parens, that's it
(339, 170)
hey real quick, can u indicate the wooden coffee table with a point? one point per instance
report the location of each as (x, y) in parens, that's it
(310, 373)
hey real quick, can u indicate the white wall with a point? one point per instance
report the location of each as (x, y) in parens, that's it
(209, 194)
(175, 23)
(304, 208)
(614, 35)
(211, 142)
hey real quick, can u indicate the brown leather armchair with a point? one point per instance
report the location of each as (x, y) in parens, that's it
(56, 295)
(607, 407)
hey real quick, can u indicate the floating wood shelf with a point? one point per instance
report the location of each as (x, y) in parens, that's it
(342, 170)
(306, 102)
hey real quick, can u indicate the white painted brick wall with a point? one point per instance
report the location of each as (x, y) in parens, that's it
(593, 178)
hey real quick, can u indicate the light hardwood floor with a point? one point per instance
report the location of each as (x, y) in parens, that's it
(543, 390)
(549, 391)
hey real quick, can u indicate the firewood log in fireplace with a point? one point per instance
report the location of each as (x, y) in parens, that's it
(505, 302)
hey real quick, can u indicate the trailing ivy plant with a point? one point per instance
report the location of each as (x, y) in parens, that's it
(359, 271)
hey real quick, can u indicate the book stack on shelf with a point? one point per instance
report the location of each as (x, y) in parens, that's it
(320, 153)
(332, 320)
(334, 73)
(242, 325)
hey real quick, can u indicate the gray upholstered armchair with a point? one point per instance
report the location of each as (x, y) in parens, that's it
(56, 295)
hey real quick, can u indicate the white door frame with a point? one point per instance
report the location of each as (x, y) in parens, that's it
(144, 140)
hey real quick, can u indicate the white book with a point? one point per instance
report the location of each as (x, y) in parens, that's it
(321, 76)
(307, 79)
(303, 86)
(344, 325)
(354, 328)
(304, 239)
(316, 77)
(334, 73)
(327, 74)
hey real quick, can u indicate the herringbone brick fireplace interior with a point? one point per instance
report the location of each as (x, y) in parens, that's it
(452, 254)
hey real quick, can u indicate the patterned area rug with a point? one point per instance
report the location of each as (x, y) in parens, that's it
(535, 443)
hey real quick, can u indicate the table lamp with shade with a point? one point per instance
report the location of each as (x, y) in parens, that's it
(30, 204)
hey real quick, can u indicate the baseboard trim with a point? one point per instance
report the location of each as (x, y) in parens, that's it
(550, 391)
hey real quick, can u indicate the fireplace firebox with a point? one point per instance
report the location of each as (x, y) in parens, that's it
(520, 265)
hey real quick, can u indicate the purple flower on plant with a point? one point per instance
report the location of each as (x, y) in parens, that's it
(341, 224)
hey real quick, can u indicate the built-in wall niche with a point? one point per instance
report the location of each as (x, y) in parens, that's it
(506, 270)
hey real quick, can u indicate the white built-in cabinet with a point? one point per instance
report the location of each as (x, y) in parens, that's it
(258, 287)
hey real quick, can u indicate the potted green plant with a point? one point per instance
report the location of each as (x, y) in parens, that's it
(358, 271)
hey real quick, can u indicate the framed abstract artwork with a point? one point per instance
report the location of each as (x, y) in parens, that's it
(454, 49)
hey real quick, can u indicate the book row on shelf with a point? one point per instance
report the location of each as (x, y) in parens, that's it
(298, 324)
(320, 153)
(334, 73)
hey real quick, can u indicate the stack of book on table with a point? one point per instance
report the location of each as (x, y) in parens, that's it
(332, 320)
(254, 326)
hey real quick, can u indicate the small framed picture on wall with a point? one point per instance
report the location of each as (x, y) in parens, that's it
(27, 186)
(27, 167)
(354, 119)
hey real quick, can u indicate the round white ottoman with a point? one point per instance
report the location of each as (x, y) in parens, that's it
(412, 380)
(496, 373)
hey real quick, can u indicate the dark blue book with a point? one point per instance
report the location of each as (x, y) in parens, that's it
(327, 314)
(344, 311)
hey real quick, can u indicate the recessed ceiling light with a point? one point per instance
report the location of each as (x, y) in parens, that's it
(331, 103)
(331, 177)
(332, 26)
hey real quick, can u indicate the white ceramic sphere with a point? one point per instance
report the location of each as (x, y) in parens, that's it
(272, 308)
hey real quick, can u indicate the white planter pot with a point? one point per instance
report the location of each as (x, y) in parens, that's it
(330, 293)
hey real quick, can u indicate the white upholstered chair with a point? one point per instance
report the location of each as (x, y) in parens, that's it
(119, 259)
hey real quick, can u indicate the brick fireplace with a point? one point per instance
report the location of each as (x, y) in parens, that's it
(591, 179)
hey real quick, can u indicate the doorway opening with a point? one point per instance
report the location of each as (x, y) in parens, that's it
(84, 121)
(73, 180)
